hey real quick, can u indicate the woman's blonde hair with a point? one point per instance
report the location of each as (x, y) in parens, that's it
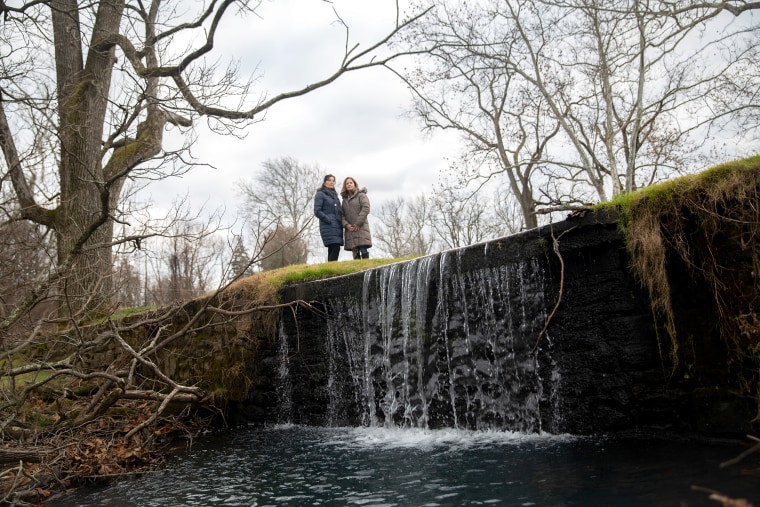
(343, 191)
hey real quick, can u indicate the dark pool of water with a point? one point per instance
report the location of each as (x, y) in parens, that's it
(304, 466)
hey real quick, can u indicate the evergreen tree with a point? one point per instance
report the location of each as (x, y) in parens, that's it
(240, 263)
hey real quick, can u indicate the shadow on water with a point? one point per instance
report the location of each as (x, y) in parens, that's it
(298, 466)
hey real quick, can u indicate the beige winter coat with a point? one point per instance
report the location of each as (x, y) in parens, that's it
(355, 211)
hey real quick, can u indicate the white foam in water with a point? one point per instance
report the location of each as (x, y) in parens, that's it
(391, 438)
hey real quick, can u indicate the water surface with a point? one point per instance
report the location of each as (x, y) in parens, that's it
(304, 466)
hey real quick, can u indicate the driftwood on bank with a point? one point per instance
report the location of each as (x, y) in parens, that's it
(29, 454)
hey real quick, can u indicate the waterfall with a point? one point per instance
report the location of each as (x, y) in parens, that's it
(440, 341)
(284, 386)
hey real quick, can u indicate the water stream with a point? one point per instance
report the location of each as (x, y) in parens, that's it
(373, 467)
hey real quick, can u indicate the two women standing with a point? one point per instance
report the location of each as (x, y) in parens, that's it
(349, 217)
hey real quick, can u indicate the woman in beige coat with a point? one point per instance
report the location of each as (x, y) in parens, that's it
(355, 211)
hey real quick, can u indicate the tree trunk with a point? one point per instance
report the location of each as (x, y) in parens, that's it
(82, 224)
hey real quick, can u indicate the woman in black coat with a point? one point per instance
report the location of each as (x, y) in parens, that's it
(328, 210)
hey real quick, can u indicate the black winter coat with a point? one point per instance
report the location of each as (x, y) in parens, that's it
(328, 210)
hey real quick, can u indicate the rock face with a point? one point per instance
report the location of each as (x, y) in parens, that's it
(546, 330)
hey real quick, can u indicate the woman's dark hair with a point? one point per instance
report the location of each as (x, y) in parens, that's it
(327, 177)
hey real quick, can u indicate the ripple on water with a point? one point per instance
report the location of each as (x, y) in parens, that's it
(297, 466)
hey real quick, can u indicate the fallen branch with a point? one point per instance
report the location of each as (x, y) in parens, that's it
(154, 415)
(234, 313)
(156, 370)
(755, 448)
(137, 394)
(565, 207)
(31, 454)
(723, 499)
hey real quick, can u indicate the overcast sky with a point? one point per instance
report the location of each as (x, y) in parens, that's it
(355, 126)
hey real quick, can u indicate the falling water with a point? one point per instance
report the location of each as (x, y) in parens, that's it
(283, 390)
(431, 343)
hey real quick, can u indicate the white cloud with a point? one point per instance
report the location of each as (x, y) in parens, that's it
(353, 127)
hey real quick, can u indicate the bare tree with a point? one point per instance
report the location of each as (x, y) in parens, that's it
(282, 247)
(403, 227)
(581, 100)
(117, 74)
(188, 263)
(87, 93)
(25, 257)
(282, 192)
(128, 284)
(460, 217)
(281, 196)
(460, 87)
(507, 212)
(419, 216)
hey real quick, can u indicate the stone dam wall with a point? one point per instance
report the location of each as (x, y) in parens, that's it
(546, 330)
